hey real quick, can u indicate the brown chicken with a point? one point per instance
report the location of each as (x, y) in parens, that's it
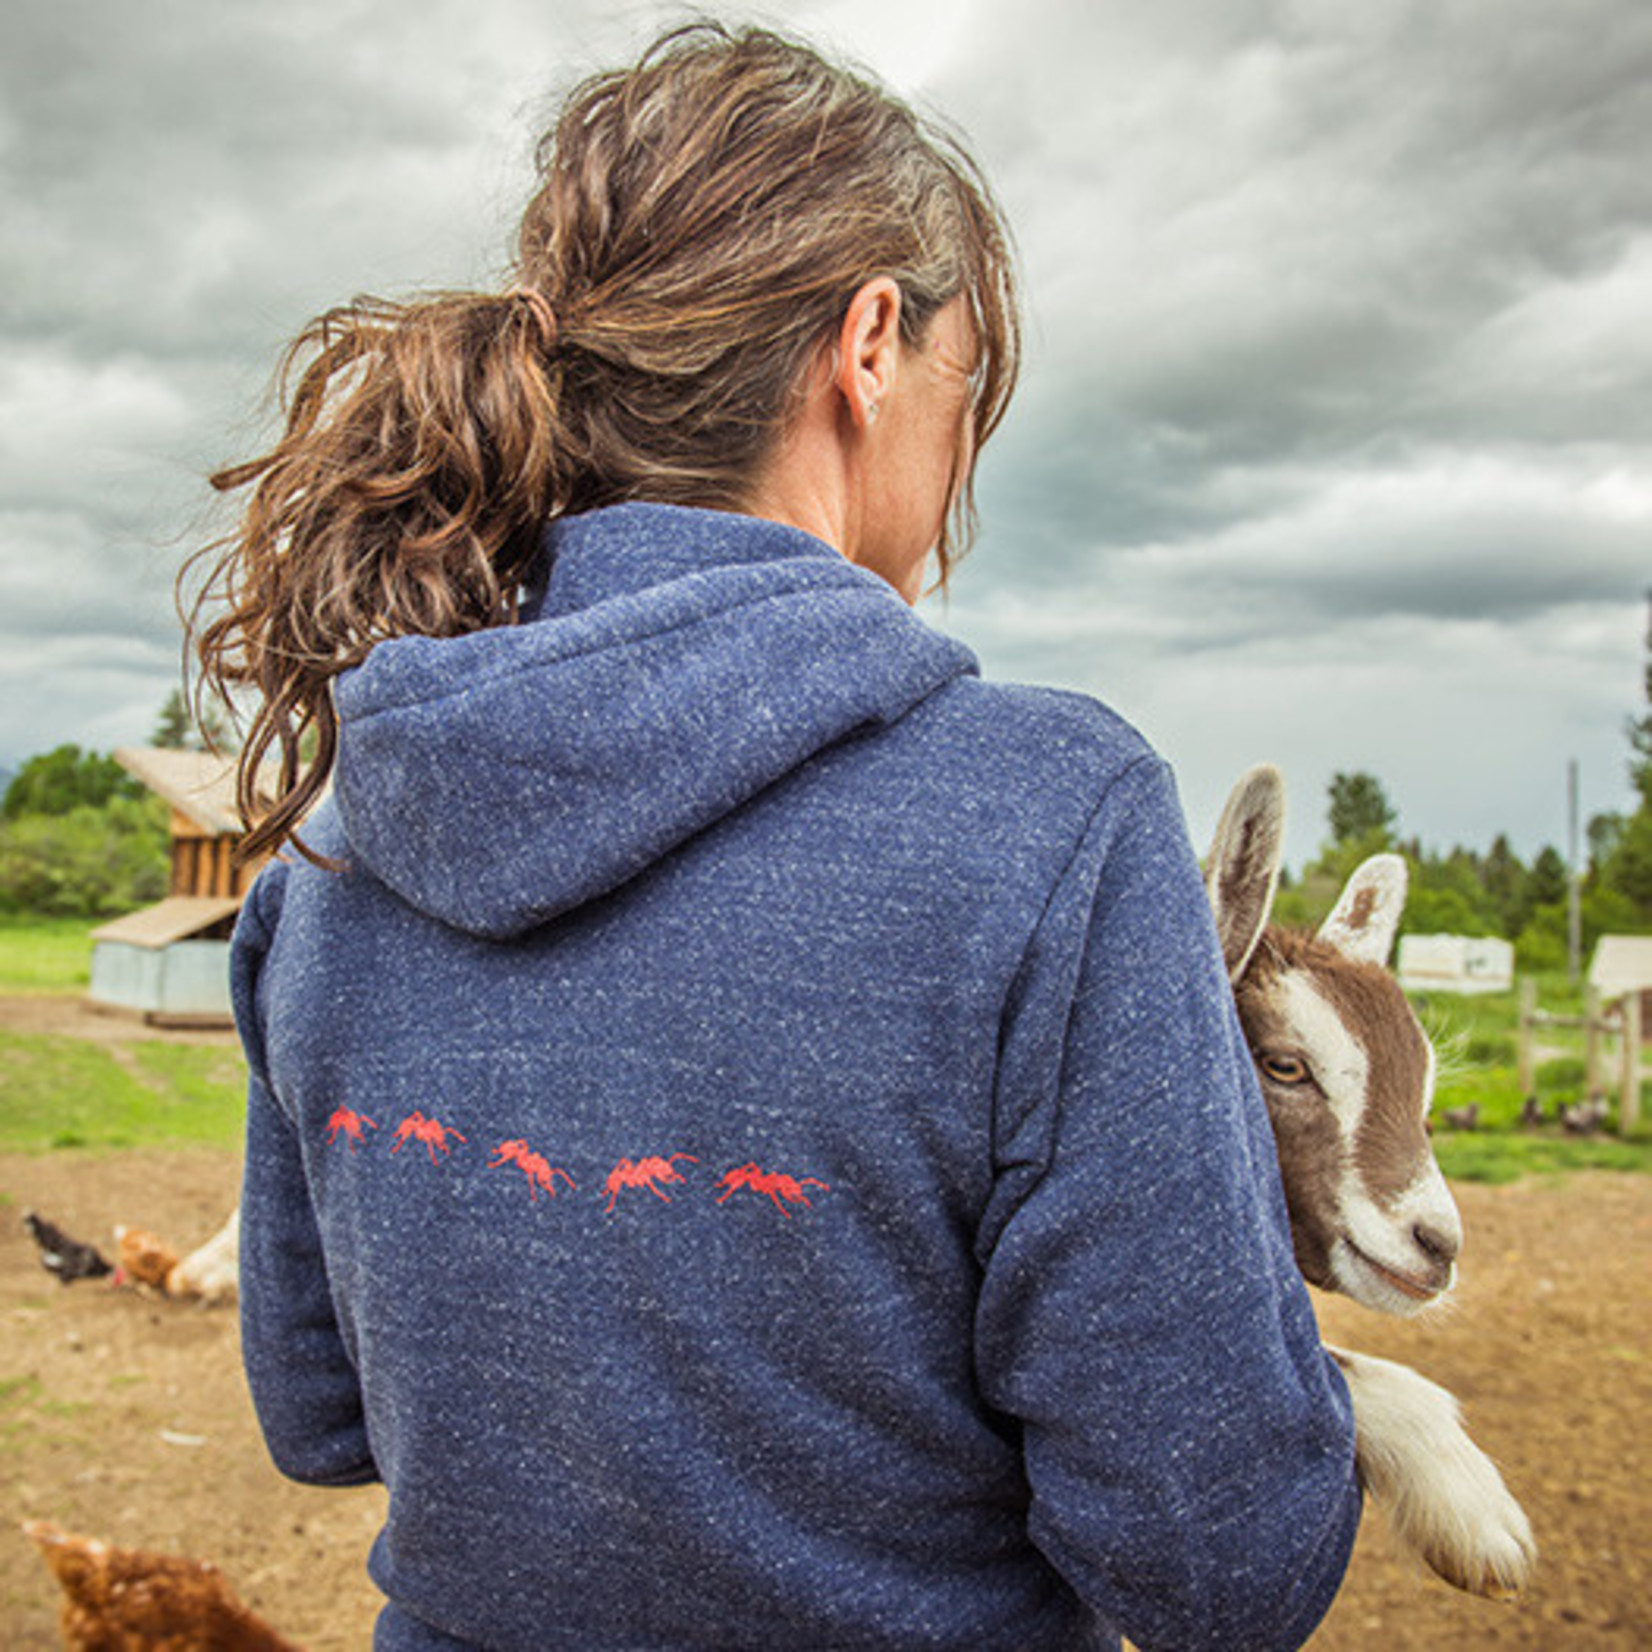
(132, 1600)
(208, 1274)
(143, 1258)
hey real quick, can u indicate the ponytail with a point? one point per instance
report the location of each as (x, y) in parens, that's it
(701, 221)
(422, 455)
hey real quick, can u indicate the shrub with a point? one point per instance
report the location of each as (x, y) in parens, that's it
(60, 781)
(87, 862)
(1542, 943)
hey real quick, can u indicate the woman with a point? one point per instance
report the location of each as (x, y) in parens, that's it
(748, 1137)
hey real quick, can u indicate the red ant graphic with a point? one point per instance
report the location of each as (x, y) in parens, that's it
(432, 1134)
(349, 1124)
(540, 1172)
(649, 1173)
(771, 1182)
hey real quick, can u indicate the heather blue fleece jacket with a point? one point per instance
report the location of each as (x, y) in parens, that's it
(755, 1150)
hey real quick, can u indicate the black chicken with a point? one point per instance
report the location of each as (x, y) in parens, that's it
(68, 1258)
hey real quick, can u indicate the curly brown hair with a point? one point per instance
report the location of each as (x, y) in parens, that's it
(702, 220)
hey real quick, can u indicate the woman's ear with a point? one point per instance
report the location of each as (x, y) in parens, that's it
(868, 354)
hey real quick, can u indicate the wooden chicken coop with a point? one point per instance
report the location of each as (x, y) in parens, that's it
(169, 963)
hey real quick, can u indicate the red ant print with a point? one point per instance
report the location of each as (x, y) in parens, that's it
(649, 1173)
(432, 1134)
(539, 1171)
(771, 1182)
(349, 1125)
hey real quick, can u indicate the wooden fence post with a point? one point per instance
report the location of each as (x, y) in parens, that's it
(1593, 1072)
(1629, 1098)
(1528, 1008)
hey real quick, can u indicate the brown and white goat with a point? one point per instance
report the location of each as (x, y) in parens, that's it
(1348, 1077)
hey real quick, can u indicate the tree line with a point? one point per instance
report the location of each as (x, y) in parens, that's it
(80, 837)
(1466, 892)
(1463, 891)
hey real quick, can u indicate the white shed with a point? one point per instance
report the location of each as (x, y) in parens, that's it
(168, 963)
(1455, 963)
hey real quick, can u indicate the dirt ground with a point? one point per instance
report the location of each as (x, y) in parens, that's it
(58, 1015)
(126, 1417)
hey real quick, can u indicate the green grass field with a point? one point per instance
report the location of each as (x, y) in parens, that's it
(66, 1092)
(1478, 1043)
(69, 1092)
(45, 954)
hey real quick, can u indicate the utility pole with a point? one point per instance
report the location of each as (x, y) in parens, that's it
(1574, 882)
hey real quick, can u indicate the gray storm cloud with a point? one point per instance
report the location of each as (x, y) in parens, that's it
(1333, 441)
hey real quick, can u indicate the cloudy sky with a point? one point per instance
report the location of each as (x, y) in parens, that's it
(1333, 445)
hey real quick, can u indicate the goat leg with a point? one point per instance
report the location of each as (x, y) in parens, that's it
(1441, 1493)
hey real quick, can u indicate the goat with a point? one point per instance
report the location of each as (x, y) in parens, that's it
(1348, 1077)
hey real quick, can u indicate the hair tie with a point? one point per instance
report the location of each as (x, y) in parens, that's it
(539, 307)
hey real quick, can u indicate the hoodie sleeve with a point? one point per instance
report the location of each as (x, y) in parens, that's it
(1188, 1444)
(303, 1382)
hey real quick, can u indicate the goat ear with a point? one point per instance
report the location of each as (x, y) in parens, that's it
(1367, 913)
(1243, 868)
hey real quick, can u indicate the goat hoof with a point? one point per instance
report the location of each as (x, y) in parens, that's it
(1497, 1562)
(1489, 1583)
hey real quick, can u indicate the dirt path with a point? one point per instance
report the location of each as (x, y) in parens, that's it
(1550, 1350)
(127, 1418)
(66, 1017)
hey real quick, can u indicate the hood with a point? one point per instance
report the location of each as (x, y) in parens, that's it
(674, 664)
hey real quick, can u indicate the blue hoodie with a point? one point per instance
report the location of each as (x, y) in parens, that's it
(755, 1148)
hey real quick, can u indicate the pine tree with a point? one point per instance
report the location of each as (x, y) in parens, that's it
(173, 728)
(1628, 870)
(1548, 877)
(1505, 880)
(1360, 811)
(177, 729)
(1639, 728)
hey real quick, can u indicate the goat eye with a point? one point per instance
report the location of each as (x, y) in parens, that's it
(1284, 1069)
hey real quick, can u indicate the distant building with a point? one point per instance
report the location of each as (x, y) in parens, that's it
(1455, 963)
(169, 963)
(1622, 964)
